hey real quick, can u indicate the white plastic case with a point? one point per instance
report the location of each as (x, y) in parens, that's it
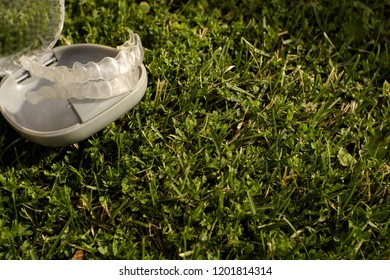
(58, 121)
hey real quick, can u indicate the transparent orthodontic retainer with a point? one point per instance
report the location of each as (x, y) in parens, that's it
(60, 96)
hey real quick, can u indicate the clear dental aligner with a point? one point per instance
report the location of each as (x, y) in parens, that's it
(93, 89)
(130, 56)
(107, 78)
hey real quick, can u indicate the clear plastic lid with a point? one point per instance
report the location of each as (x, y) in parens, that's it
(28, 27)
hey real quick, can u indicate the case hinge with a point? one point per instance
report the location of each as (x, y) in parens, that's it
(20, 74)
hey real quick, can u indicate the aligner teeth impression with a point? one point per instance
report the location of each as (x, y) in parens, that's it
(100, 89)
(107, 78)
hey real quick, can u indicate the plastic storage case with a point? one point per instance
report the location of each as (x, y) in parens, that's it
(54, 121)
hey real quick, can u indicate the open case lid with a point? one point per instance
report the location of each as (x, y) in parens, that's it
(28, 27)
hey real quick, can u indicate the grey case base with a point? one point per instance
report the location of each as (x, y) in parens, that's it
(61, 122)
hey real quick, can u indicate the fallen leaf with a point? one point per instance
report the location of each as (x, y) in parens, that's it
(78, 255)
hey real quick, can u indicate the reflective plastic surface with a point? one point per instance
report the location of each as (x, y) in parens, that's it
(28, 27)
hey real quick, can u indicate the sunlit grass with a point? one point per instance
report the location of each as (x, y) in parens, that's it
(263, 134)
